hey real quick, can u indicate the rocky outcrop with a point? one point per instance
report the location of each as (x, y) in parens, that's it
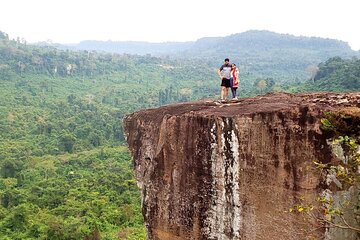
(209, 170)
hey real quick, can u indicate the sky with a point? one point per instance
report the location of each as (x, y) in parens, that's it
(71, 21)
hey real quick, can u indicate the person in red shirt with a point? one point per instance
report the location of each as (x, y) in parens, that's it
(234, 80)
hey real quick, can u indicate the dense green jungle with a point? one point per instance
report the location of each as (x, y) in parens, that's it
(65, 171)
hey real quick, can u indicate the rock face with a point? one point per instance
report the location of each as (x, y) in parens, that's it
(231, 171)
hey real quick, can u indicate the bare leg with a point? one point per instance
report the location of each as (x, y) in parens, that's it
(222, 93)
(226, 93)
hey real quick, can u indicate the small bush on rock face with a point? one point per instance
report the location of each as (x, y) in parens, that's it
(338, 206)
(345, 122)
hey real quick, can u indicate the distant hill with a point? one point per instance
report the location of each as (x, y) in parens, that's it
(253, 40)
(270, 54)
(265, 41)
(283, 57)
(130, 47)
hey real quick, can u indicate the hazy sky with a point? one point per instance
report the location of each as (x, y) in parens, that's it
(70, 21)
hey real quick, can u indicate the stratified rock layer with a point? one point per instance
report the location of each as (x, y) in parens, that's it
(208, 170)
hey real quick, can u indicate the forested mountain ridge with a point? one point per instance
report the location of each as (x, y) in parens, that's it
(82, 95)
(252, 40)
(129, 47)
(335, 74)
(271, 54)
(265, 54)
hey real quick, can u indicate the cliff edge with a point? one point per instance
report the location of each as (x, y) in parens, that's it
(208, 170)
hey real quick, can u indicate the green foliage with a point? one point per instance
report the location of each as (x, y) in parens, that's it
(326, 125)
(335, 74)
(263, 85)
(64, 174)
(339, 74)
(70, 196)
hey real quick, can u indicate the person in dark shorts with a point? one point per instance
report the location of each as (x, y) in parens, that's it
(225, 74)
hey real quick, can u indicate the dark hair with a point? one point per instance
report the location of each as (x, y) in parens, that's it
(227, 60)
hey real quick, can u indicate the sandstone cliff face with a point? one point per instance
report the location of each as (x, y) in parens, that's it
(231, 171)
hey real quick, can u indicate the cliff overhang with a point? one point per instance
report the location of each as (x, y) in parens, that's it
(209, 170)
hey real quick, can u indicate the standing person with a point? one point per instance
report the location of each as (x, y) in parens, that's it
(234, 81)
(225, 74)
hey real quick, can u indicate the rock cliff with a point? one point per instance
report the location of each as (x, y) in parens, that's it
(208, 170)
